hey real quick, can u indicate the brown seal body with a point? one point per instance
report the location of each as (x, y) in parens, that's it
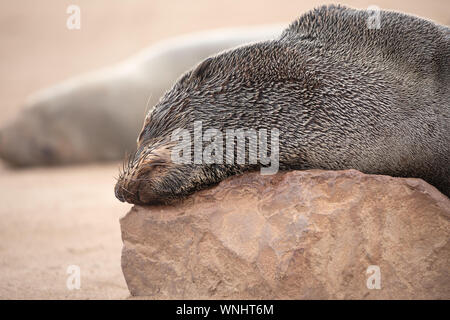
(340, 94)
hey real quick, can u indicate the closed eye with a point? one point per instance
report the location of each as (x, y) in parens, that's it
(154, 164)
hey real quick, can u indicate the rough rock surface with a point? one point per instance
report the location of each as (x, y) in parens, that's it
(295, 235)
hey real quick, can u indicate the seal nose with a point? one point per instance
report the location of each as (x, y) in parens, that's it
(118, 191)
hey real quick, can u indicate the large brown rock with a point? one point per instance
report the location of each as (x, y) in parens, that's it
(295, 235)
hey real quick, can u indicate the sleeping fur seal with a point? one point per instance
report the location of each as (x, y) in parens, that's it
(340, 94)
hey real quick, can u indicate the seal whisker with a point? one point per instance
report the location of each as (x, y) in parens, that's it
(123, 188)
(147, 104)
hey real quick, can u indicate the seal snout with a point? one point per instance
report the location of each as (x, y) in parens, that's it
(136, 184)
(135, 191)
(144, 177)
(118, 192)
(127, 190)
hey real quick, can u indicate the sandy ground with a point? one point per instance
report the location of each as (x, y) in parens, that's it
(54, 218)
(51, 218)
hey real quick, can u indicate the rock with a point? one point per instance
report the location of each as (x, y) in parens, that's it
(294, 235)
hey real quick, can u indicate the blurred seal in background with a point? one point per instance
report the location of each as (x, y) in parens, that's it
(96, 117)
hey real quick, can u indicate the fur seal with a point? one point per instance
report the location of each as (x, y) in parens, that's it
(342, 96)
(96, 117)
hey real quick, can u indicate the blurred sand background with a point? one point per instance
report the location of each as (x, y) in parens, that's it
(51, 218)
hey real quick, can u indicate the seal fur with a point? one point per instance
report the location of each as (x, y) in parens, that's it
(342, 96)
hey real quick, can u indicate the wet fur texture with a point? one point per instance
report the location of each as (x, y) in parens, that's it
(342, 96)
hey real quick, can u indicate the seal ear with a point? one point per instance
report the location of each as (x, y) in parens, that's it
(200, 73)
